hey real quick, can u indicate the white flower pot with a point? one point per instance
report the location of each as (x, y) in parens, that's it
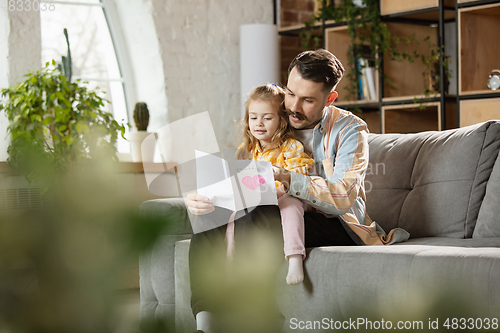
(142, 150)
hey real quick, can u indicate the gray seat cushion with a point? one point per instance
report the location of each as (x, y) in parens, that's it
(383, 281)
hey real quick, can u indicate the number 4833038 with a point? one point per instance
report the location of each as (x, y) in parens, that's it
(27, 5)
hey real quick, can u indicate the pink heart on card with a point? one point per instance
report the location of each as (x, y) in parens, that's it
(253, 182)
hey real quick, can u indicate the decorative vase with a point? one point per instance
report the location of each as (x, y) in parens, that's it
(141, 150)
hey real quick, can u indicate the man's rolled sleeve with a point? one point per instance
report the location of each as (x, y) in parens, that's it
(299, 189)
(299, 184)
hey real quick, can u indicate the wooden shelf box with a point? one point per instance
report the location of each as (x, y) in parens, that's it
(388, 7)
(410, 118)
(337, 41)
(478, 110)
(479, 49)
(407, 78)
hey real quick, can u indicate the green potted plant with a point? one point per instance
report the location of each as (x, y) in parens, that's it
(61, 122)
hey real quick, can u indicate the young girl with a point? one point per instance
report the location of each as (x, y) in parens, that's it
(268, 137)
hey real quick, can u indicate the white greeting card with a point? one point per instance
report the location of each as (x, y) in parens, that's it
(235, 184)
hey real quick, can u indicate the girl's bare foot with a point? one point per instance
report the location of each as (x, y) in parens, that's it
(295, 270)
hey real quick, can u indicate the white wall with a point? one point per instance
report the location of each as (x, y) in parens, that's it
(199, 44)
(141, 57)
(184, 52)
(4, 78)
(20, 53)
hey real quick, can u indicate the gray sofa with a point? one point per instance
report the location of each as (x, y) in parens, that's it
(442, 187)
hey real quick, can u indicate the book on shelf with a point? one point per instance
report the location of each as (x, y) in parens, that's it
(361, 93)
(365, 68)
(367, 89)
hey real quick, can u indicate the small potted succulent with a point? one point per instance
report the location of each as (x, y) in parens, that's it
(138, 150)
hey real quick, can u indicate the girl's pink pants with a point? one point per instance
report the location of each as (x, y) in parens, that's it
(292, 219)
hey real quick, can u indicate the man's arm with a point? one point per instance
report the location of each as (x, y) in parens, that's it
(337, 193)
(198, 204)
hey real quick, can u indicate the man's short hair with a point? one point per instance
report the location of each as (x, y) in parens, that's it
(319, 66)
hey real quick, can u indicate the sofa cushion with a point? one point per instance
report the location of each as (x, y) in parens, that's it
(387, 282)
(431, 183)
(454, 242)
(488, 221)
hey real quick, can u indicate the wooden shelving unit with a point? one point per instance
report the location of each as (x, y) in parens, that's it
(477, 25)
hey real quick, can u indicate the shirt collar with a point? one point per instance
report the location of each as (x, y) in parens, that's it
(326, 113)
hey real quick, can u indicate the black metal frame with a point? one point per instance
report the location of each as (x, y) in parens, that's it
(442, 81)
(475, 3)
(275, 12)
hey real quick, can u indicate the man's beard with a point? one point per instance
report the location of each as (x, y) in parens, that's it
(302, 121)
(297, 115)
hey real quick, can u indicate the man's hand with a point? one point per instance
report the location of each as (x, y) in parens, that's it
(282, 175)
(199, 204)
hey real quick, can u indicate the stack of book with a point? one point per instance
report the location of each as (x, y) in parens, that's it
(367, 91)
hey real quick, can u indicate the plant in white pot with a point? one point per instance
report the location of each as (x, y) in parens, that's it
(141, 152)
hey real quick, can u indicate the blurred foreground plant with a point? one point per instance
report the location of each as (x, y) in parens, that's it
(62, 265)
(242, 293)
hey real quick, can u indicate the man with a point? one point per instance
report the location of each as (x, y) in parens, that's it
(338, 142)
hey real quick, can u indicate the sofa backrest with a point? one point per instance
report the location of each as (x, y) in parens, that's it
(488, 220)
(431, 183)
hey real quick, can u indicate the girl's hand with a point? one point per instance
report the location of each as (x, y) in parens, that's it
(282, 175)
(280, 191)
(199, 204)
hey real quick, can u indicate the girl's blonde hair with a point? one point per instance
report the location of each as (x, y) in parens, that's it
(274, 95)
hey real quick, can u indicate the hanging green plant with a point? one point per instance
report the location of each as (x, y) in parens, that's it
(432, 79)
(61, 122)
(367, 32)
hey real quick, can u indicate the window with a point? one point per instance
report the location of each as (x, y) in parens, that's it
(93, 54)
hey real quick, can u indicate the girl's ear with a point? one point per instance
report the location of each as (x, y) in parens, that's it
(331, 98)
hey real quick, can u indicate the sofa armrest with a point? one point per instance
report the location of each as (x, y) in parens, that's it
(156, 266)
(172, 209)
